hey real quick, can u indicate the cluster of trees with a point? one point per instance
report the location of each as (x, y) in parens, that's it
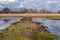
(24, 10)
(7, 10)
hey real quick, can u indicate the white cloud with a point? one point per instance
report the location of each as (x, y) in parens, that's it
(39, 4)
(58, 4)
(8, 3)
(1, 6)
(51, 2)
(3, 1)
(11, 0)
(21, 6)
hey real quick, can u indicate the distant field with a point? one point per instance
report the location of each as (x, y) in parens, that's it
(54, 16)
(31, 13)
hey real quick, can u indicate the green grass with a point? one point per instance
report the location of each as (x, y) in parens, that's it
(46, 36)
(14, 32)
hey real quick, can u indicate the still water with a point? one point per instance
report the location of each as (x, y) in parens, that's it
(53, 25)
(5, 24)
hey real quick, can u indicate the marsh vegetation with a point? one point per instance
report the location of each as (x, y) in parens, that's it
(26, 30)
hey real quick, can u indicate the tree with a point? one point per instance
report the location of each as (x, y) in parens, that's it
(23, 10)
(58, 11)
(31, 10)
(6, 10)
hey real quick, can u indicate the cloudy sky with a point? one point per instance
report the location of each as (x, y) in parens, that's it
(50, 5)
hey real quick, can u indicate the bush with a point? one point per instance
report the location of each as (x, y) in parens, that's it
(46, 36)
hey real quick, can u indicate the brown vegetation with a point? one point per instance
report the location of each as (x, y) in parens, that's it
(26, 30)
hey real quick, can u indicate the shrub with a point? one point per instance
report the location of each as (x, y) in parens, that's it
(46, 36)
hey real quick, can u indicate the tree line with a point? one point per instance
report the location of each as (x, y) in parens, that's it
(24, 10)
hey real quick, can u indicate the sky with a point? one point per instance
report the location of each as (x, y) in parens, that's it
(50, 5)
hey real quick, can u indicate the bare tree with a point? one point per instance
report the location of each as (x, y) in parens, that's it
(31, 10)
(23, 10)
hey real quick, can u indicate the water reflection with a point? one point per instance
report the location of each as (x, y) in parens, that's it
(53, 25)
(5, 24)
